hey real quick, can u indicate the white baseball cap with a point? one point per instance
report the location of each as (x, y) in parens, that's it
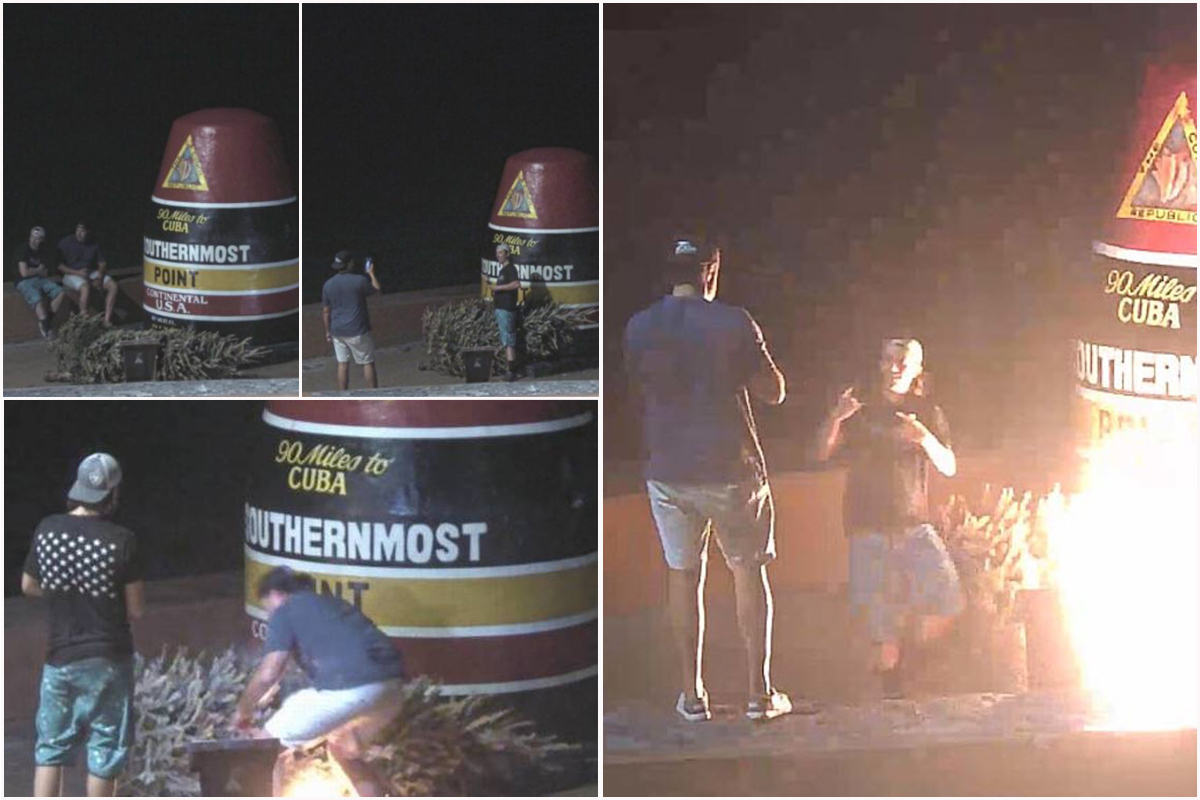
(98, 475)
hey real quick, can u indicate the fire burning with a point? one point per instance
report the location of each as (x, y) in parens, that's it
(314, 774)
(1124, 547)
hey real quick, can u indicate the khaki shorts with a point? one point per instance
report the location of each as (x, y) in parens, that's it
(75, 283)
(361, 347)
(353, 717)
(741, 515)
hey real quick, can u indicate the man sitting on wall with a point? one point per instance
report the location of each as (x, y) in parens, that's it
(34, 282)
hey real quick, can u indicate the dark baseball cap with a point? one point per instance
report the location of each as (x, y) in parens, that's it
(342, 259)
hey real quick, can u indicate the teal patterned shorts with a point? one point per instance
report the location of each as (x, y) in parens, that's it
(88, 700)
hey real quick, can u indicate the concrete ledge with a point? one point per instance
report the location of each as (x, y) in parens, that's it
(1026, 759)
(231, 387)
(494, 389)
(395, 318)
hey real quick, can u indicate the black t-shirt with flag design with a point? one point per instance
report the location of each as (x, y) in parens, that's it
(83, 565)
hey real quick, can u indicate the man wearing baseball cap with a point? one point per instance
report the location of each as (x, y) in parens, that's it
(695, 363)
(347, 320)
(89, 570)
(33, 280)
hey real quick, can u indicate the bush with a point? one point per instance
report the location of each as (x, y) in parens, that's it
(546, 331)
(436, 745)
(87, 351)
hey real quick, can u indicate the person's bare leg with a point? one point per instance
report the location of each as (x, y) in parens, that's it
(57, 302)
(931, 627)
(40, 310)
(100, 787)
(47, 781)
(755, 612)
(84, 297)
(887, 655)
(685, 601)
(348, 754)
(279, 772)
(369, 375)
(110, 302)
(343, 375)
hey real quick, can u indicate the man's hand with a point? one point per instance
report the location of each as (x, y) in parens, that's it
(847, 405)
(242, 720)
(912, 429)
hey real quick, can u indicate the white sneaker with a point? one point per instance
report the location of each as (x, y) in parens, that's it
(696, 710)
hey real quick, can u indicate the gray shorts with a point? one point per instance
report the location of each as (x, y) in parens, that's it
(741, 515)
(892, 577)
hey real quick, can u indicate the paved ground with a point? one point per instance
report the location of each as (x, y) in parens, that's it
(398, 368)
(26, 365)
(956, 735)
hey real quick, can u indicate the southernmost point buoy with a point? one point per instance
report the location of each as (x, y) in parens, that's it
(483, 575)
(1136, 355)
(547, 213)
(221, 250)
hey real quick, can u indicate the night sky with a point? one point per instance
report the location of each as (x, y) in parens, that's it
(91, 92)
(936, 170)
(182, 462)
(409, 115)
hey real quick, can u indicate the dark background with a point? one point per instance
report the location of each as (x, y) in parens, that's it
(410, 112)
(91, 92)
(872, 171)
(183, 475)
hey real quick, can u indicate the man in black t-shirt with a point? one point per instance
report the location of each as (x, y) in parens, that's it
(33, 260)
(90, 572)
(901, 577)
(504, 297)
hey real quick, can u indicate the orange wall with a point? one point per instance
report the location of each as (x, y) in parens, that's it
(808, 528)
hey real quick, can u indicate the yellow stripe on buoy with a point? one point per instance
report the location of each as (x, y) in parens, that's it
(454, 602)
(204, 278)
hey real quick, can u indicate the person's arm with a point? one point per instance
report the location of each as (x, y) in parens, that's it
(325, 318)
(766, 383)
(269, 673)
(915, 431)
(135, 600)
(101, 266)
(829, 435)
(26, 271)
(30, 586)
(374, 281)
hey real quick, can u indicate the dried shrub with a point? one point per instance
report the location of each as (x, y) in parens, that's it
(546, 331)
(178, 699)
(442, 746)
(436, 745)
(89, 352)
(1001, 551)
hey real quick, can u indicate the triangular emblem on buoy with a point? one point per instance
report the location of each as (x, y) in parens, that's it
(518, 203)
(1164, 188)
(186, 172)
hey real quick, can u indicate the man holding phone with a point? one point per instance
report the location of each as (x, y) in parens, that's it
(347, 321)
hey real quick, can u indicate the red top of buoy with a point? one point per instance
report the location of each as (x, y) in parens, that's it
(224, 155)
(548, 188)
(427, 413)
(1155, 209)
